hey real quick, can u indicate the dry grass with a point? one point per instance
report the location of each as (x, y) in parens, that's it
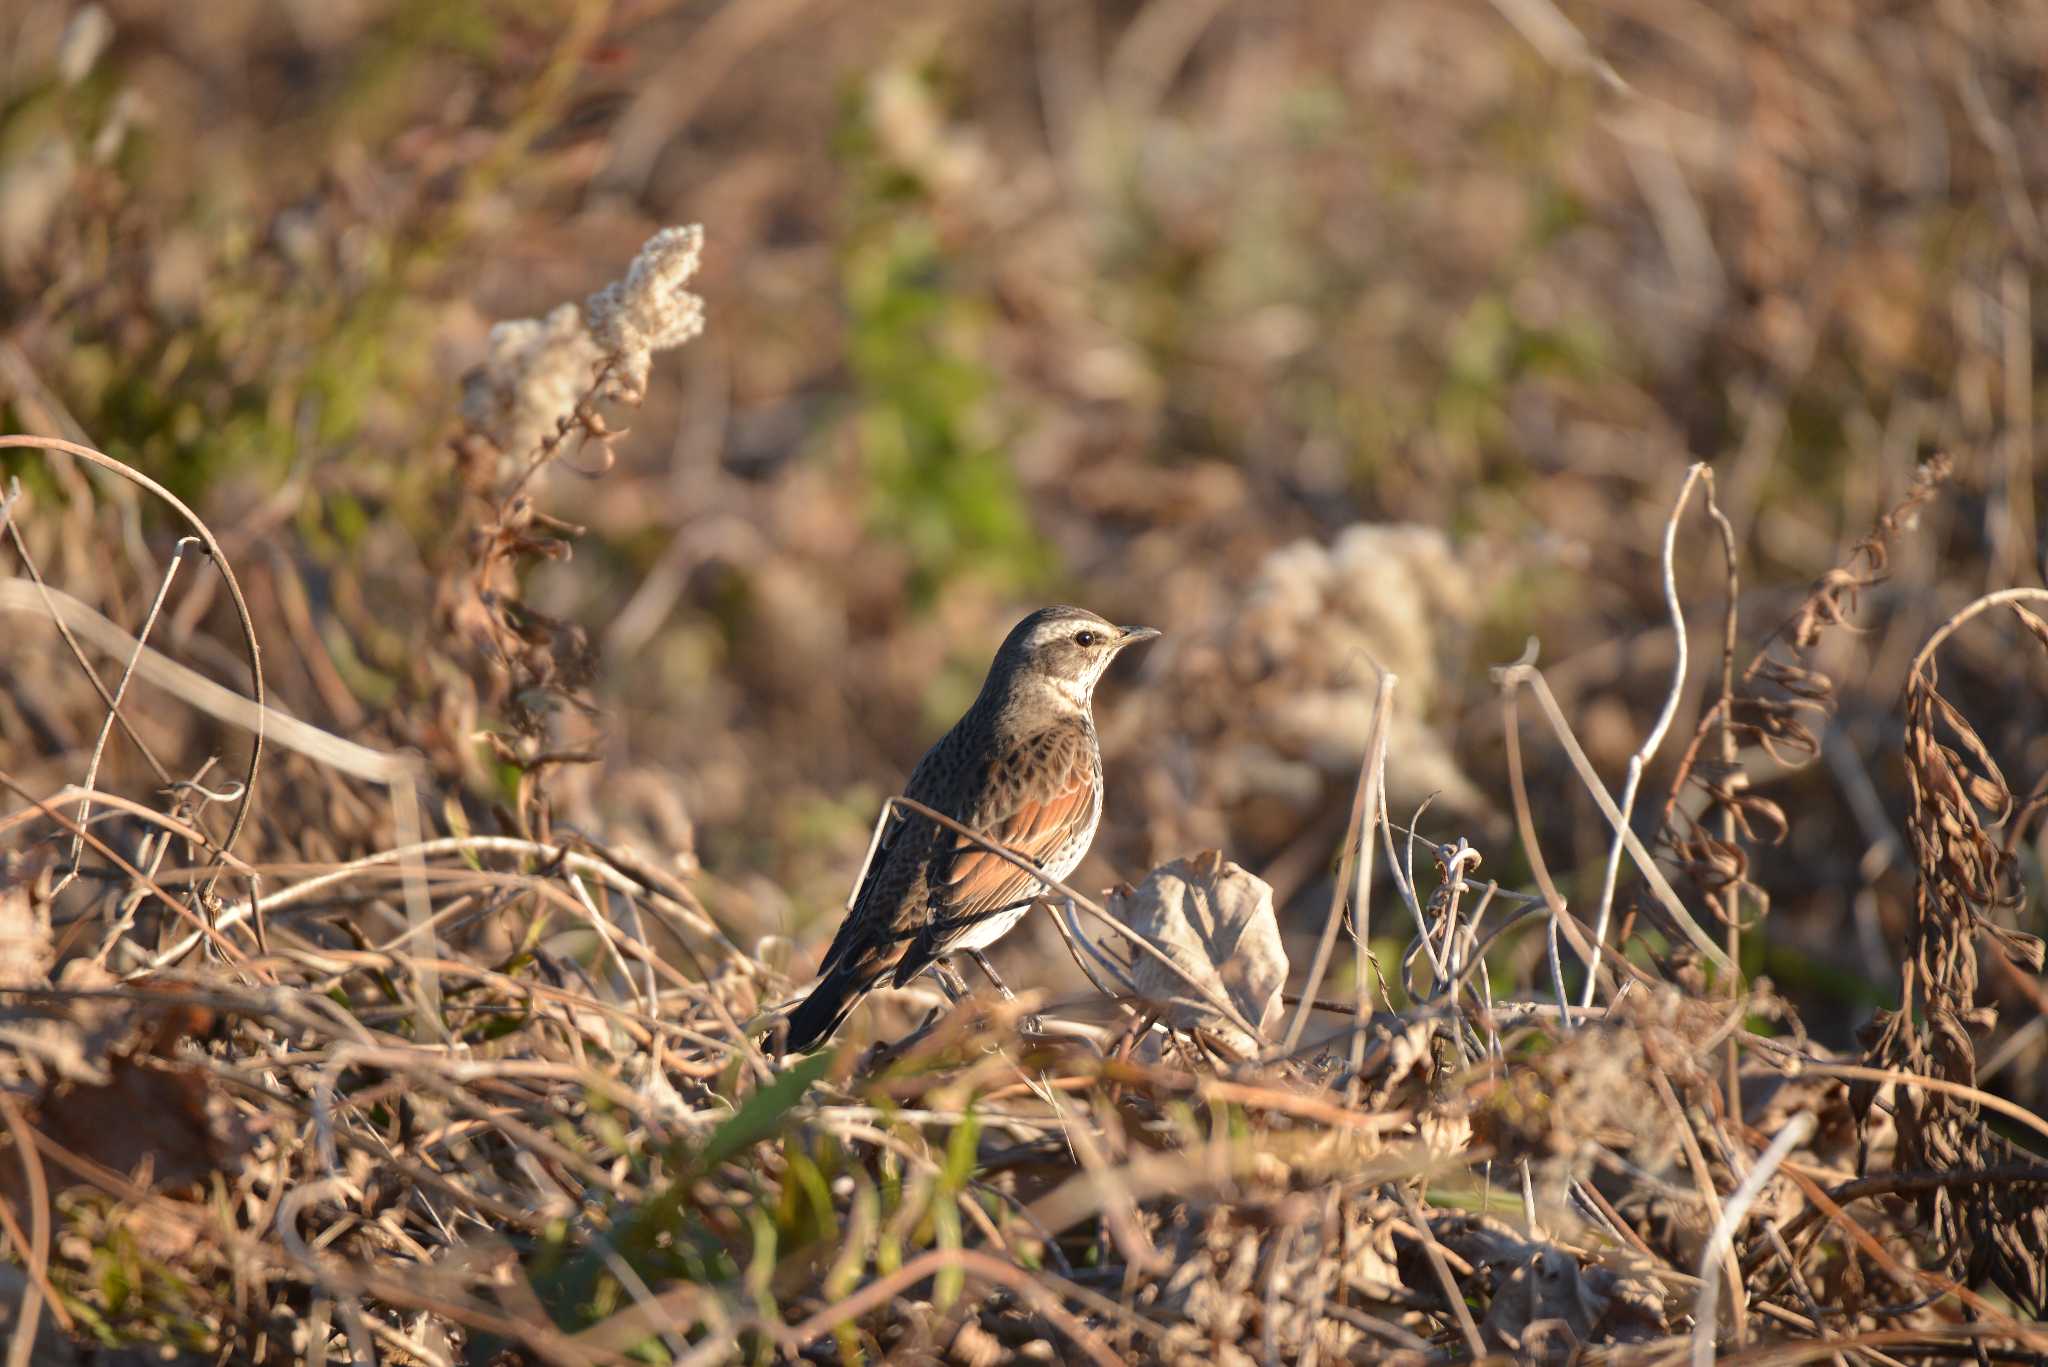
(364, 993)
(282, 1110)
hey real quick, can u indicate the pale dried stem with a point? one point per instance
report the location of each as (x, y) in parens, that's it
(549, 855)
(1703, 1181)
(1361, 874)
(99, 748)
(48, 597)
(1720, 1245)
(1435, 1253)
(196, 690)
(36, 1252)
(1402, 883)
(1660, 886)
(1651, 742)
(203, 931)
(1357, 853)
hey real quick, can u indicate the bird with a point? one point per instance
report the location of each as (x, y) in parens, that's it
(1022, 767)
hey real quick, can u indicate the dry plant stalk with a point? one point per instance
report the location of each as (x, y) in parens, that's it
(537, 398)
(1967, 828)
(1779, 703)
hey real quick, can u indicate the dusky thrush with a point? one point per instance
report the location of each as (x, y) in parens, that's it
(1023, 768)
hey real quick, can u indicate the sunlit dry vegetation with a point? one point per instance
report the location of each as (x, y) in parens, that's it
(501, 493)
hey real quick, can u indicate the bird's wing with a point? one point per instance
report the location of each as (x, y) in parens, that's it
(867, 926)
(852, 926)
(1038, 798)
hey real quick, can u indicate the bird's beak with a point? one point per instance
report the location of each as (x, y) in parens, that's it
(1133, 635)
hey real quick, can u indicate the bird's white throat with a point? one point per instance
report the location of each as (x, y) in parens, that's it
(1073, 695)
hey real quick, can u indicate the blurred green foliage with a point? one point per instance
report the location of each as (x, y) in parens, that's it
(932, 440)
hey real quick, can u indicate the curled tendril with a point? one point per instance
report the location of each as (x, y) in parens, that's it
(1781, 705)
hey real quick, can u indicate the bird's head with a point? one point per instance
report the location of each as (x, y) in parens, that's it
(1059, 654)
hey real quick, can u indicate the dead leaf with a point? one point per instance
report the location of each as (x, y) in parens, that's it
(128, 1101)
(161, 1122)
(1215, 920)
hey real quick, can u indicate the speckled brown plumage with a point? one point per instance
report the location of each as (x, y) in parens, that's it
(1021, 766)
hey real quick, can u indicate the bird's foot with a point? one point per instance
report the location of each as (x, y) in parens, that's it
(885, 1052)
(949, 980)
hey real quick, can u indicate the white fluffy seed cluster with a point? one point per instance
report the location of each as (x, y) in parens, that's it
(649, 310)
(537, 370)
(1319, 618)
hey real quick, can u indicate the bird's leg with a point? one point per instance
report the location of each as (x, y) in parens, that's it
(949, 980)
(989, 971)
(881, 1055)
(1028, 1025)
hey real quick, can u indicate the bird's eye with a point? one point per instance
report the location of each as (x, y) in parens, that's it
(1085, 639)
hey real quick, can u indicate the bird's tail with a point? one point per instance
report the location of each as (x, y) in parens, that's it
(819, 1014)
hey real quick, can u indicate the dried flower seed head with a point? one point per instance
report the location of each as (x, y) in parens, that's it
(539, 372)
(535, 373)
(649, 310)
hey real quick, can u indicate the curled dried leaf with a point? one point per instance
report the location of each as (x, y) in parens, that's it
(1966, 882)
(1780, 704)
(1215, 921)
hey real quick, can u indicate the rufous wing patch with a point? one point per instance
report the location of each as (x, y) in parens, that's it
(981, 881)
(1041, 820)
